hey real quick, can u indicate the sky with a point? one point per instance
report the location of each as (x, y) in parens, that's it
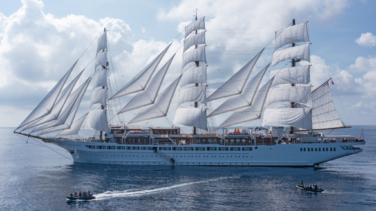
(40, 41)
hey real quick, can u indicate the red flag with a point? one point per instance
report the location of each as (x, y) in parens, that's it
(332, 82)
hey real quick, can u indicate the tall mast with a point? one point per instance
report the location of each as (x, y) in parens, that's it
(292, 104)
(193, 116)
(295, 80)
(197, 64)
(102, 106)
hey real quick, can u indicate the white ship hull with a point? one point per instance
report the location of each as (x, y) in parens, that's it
(260, 155)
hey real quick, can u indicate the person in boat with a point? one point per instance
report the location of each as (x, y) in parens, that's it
(89, 193)
(75, 193)
(302, 184)
(79, 194)
(71, 195)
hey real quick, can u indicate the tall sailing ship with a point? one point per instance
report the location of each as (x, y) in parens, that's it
(290, 140)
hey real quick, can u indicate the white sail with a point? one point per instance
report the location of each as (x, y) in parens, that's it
(291, 75)
(244, 99)
(195, 117)
(192, 94)
(300, 52)
(73, 130)
(61, 124)
(101, 58)
(148, 96)
(161, 105)
(296, 117)
(99, 79)
(194, 75)
(140, 81)
(252, 112)
(194, 40)
(194, 55)
(65, 119)
(102, 42)
(291, 34)
(96, 120)
(286, 93)
(58, 106)
(236, 83)
(324, 113)
(98, 96)
(46, 105)
(197, 25)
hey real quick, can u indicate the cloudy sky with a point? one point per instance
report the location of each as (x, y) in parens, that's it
(40, 40)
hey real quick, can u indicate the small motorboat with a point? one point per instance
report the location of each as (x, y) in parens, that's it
(80, 197)
(309, 189)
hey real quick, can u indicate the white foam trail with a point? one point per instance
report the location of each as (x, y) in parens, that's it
(119, 194)
(351, 193)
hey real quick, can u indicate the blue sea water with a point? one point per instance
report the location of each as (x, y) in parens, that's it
(34, 177)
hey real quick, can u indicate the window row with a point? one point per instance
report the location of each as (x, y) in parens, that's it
(318, 149)
(173, 148)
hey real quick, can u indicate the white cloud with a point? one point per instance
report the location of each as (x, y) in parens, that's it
(368, 80)
(363, 64)
(359, 104)
(366, 40)
(36, 49)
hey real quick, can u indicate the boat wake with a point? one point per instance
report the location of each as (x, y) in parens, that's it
(129, 193)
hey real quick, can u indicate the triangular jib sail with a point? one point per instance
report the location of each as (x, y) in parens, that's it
(236, 83)
(140, 81)
(161, 105)
(147, 97)
(46, 105)
(244, 99)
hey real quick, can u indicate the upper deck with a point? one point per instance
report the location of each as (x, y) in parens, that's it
(172, 136)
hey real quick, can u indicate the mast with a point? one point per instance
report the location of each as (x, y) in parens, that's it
(97, 116)
(194, 88)
(292, 104)
(197, 64)
(102, 106)
(292, 82)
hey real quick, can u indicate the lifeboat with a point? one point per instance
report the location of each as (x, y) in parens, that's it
(238, 134)
(142, 133)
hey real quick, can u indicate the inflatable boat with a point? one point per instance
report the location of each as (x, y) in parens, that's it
(309, 189)
(81, 197)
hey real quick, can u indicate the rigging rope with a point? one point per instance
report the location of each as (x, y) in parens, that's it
(90, 45)
(46, 147)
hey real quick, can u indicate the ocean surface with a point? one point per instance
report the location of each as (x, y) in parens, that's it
(38, 177)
